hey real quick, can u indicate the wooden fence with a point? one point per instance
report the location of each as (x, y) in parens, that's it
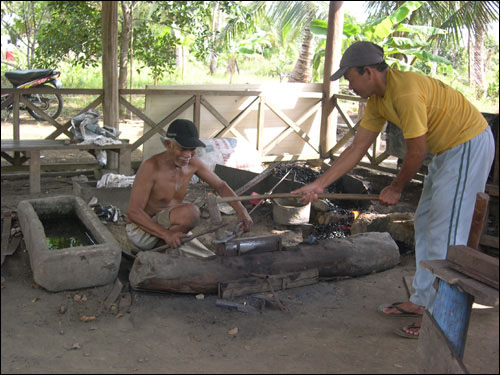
(198, 99)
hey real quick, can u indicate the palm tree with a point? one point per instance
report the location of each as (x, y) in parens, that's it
(453, 16)
(299, 14)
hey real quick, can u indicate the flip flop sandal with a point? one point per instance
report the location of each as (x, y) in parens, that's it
(401, 332)
(403, 312)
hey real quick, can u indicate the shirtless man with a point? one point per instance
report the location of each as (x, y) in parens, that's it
(155, 210)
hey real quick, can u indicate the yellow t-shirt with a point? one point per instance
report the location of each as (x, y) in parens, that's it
(422, 105)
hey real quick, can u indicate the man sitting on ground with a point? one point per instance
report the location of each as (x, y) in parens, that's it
(156, 212)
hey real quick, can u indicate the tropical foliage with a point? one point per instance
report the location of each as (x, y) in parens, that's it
(280, 39)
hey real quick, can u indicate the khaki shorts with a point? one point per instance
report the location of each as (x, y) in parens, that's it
(144, 240)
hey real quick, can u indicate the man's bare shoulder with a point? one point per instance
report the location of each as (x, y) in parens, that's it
(150, 166)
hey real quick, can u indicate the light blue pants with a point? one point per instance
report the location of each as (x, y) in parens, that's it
(444, 213)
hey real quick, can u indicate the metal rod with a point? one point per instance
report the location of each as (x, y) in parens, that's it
(338, 196)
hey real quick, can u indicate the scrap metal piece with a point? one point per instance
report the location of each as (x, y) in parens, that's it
(242, 307)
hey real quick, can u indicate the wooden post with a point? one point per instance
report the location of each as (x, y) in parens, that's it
(476, 228)
(109, 69)
(328, 132)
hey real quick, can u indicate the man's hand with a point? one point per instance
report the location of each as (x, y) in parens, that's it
(245, 220)
(389, 196)
(309, 192)
(173, 239)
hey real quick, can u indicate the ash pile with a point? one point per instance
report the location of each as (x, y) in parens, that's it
(330, 219)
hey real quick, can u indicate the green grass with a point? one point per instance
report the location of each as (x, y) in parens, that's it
(252, 70)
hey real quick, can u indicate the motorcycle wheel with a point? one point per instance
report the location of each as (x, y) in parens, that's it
(51, 104)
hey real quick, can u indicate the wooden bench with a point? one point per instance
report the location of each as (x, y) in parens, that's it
(33, 147)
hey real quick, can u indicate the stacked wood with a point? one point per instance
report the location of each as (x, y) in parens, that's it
(353, 256)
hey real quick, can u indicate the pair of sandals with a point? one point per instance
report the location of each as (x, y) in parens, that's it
(403, 313)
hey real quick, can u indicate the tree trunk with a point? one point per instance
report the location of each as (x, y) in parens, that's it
(124, 46)
(302, 70)
(216, 20)
(478, 67)
(360, 254)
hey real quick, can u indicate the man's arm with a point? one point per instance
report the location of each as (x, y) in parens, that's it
(346, 161)
(139, 197)
(415, 155)
(224, 190)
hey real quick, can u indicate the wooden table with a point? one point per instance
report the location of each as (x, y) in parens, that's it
(33, 148)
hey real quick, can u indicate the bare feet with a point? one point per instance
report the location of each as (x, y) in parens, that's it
(403, 309)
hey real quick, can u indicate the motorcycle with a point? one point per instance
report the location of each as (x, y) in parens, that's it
(51, 104)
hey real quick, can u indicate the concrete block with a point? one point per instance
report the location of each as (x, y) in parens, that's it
(74, 267)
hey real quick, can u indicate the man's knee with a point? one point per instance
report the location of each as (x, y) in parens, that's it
(187, 214)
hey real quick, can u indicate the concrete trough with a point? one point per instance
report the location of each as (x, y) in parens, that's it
(74, 267)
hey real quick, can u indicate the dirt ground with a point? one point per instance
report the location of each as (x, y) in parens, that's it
(330, 327)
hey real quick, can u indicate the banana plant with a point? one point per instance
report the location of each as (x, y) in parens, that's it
(403, 44)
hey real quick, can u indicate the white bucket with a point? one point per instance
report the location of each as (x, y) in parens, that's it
(290, 212)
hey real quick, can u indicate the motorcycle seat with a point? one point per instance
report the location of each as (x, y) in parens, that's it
(18, 77)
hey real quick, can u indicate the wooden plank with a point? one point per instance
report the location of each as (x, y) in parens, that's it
(434, 350)
(158, 127)
(50, 144)
(488, 240)
(136, 111)
(214, 112)
(46, 117)
(474, 264)
(238, 118)
(476, 227)
(254, 181)
(251, 285)
(408, 281)
(344, 139)
(305, 137)
(483, 294)
(7, 220)
(34, 171)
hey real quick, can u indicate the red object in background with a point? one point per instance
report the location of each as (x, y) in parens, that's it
(254, 201)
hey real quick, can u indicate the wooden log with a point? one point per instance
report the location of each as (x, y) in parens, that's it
(250, 285)
(357, 255)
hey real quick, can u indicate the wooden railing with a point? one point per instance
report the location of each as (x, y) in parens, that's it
(197, 100)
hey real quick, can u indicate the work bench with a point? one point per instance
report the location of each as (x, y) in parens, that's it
(33, 148)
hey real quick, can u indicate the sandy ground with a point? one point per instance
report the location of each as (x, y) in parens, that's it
(330, 327)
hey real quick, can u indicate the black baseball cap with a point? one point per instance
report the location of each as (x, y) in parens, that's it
(359, 54)
(185, 133)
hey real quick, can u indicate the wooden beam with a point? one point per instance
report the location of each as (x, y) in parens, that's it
(109, 68)
(238, 118)
(476, 227)
(328, 131)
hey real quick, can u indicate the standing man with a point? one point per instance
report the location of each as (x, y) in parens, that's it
(156, 211)
(433, 117)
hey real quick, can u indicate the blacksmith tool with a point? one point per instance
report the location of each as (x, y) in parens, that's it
(238, 228)
(243, 307)
(187, 239)
(334, 196)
